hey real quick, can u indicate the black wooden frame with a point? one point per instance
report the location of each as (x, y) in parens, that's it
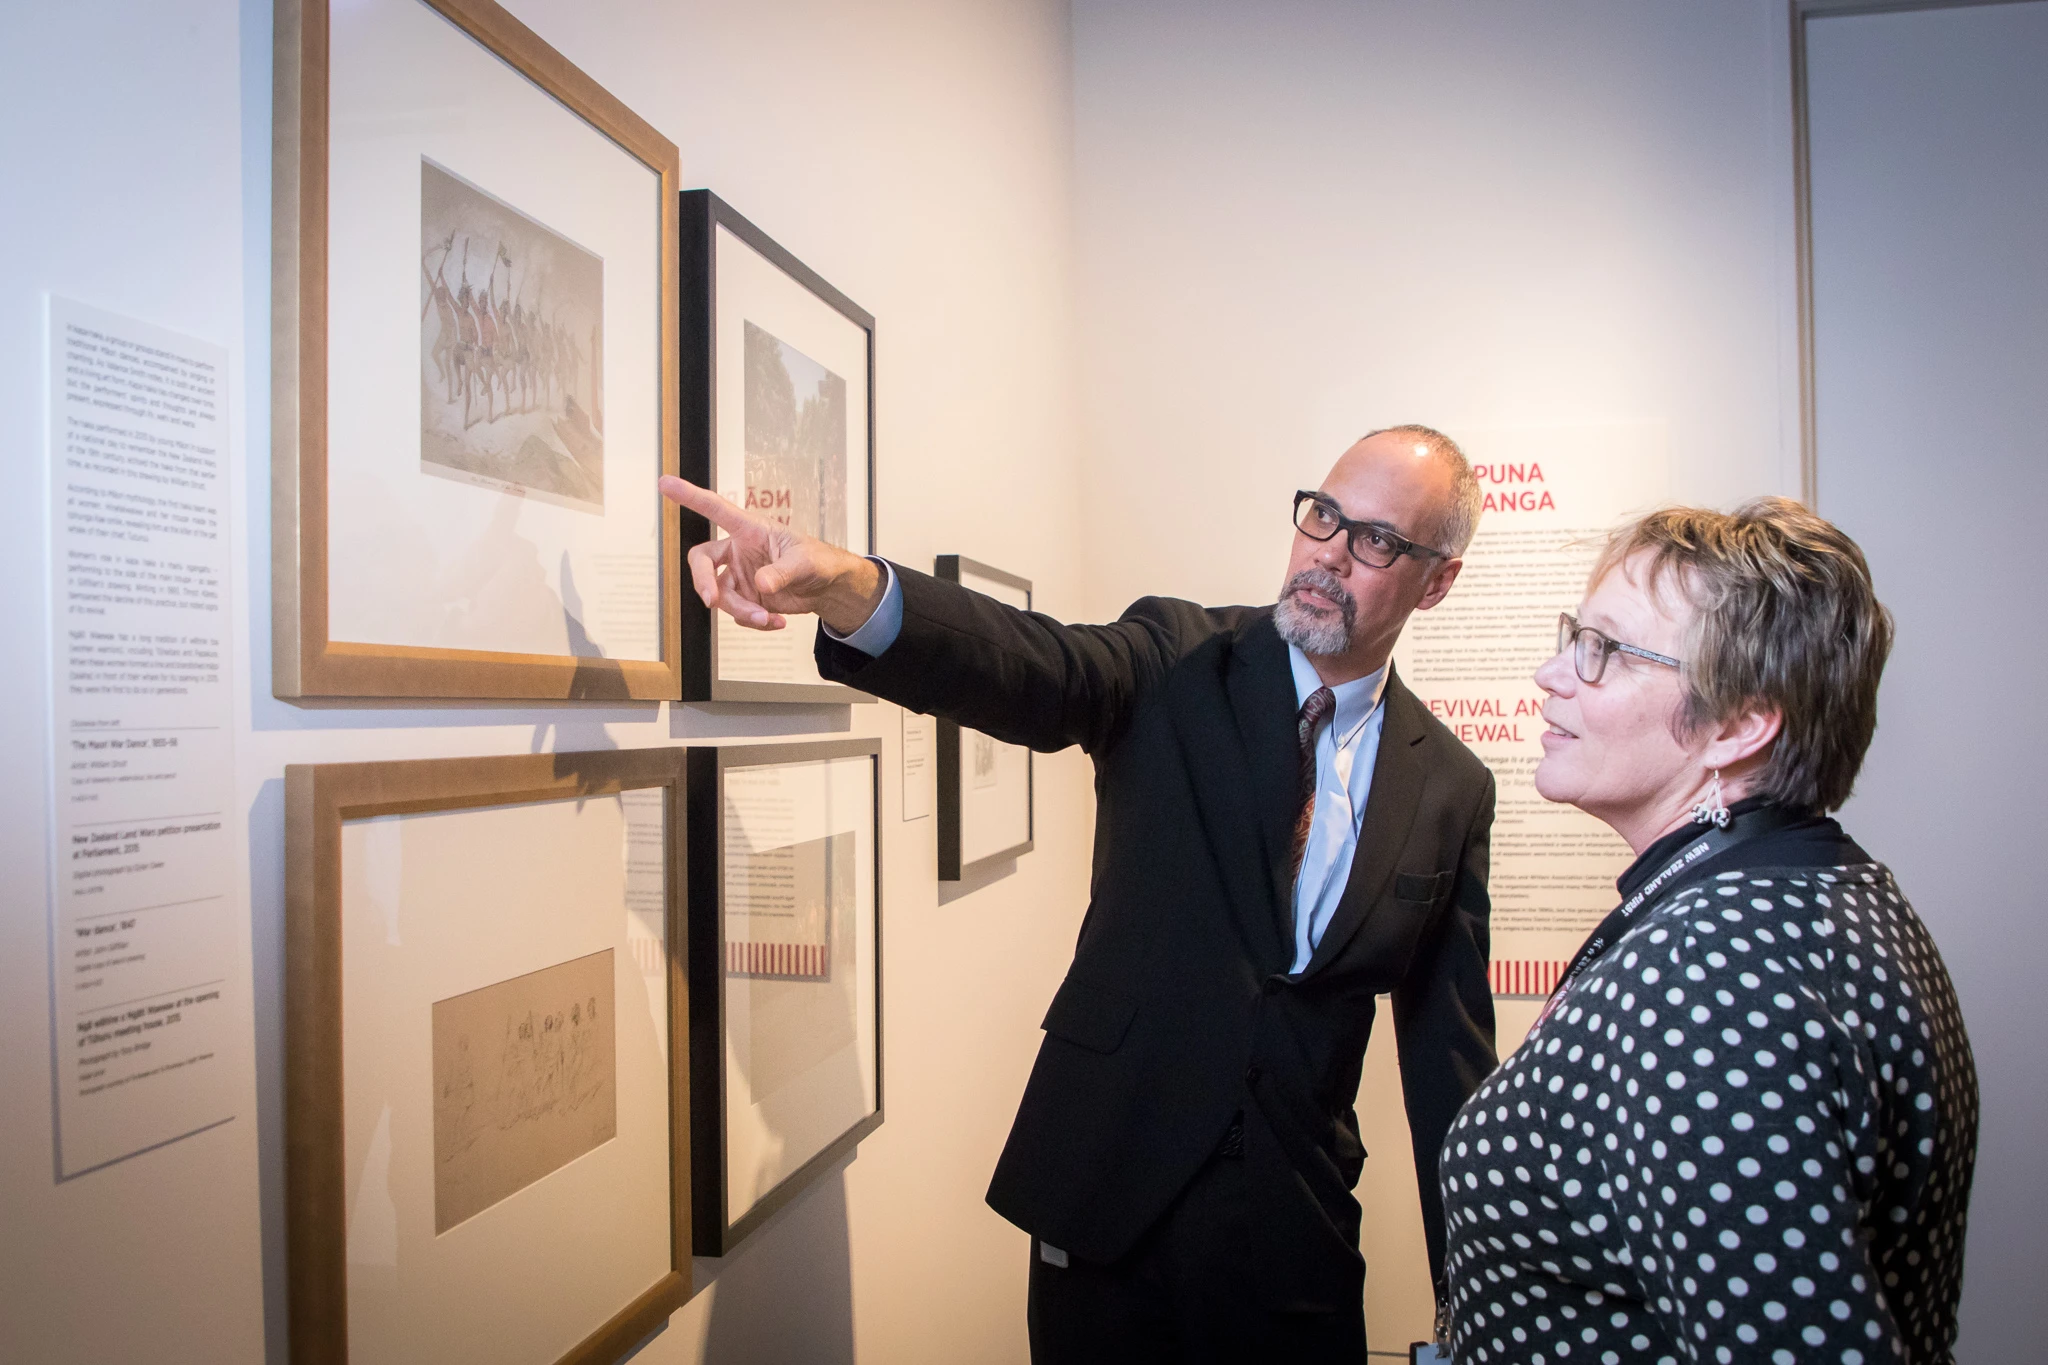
(703, 213)
(951, 868)
(715, 1234)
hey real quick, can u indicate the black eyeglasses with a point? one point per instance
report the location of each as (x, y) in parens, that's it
(1373, 544)
(1589, 648)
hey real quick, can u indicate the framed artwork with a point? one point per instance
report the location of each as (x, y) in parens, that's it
(474, 365)
(487, 1107)
(985, 811)
(785, 972)
(779, 417)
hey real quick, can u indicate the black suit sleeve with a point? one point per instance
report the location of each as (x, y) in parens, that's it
(1443, 1021)
(1017, 675)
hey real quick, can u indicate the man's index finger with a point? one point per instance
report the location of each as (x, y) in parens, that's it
(721, 512)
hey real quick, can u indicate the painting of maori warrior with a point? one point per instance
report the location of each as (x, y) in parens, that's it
(511, 348)
(795, 438)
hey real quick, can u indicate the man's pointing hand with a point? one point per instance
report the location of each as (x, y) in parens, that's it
(759, 573)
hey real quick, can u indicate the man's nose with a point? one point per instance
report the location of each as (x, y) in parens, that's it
(1334, 555)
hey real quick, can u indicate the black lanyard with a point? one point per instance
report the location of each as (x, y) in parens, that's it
(1708, 846)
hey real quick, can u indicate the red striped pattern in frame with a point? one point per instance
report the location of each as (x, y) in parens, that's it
(812, 960)
(1523, 976)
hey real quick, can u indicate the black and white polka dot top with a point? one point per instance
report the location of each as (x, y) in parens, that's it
(1745, 1133)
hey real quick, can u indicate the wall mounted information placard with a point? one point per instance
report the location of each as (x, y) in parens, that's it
(779, 392)
(145, 892)
(474, 365)
(920, 744)
(785, 963)
(984, 785)
(487, 1105)
(1551, 497)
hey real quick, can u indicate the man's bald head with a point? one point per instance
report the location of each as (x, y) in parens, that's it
(1458, 487)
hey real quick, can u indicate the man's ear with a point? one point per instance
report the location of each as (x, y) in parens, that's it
(1439, 583)
(1743, 737)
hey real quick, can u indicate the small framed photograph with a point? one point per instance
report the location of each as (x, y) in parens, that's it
(473, 368)
(985, 811)
(778, 416)
(786, 979)
(487, 1107)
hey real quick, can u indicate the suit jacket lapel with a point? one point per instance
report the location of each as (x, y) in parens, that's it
(1398, 777)
(1261, 687)
(1241, 752)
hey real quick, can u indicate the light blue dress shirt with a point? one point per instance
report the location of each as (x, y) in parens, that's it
(884, 624)
(1347, 751)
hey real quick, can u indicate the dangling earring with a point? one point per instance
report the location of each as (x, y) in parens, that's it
(1712, 810)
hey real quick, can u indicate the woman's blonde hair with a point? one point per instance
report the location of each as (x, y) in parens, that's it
(1784, 618)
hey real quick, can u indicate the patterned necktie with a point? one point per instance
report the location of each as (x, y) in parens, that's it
(1314, 712)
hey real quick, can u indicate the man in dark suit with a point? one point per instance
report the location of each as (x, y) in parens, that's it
(1283, 833)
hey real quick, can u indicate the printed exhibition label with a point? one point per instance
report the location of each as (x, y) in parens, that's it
(143, 885)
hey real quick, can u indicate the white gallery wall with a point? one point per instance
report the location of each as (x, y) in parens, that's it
(1930, 186)
(1140, 269)
(917, 155)
(1301, 220)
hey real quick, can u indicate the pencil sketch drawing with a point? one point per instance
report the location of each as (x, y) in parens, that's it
(525, 1081)
(984, 759)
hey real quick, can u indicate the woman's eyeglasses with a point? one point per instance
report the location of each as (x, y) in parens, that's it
(1589, 648)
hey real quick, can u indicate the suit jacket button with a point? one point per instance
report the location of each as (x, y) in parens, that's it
(1273, 985)
(1251, 1075)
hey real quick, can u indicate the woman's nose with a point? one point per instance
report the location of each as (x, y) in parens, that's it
(1557, 676)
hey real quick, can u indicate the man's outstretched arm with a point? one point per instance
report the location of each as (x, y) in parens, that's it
(1019, 676)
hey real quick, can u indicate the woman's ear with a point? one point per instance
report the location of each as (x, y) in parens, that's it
(1745, 736)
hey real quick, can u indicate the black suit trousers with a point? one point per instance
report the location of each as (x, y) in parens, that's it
(1179, 1296)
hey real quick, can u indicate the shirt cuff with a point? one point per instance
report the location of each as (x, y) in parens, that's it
(881, 628)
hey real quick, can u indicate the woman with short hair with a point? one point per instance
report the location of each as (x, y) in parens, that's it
(1744, 1127)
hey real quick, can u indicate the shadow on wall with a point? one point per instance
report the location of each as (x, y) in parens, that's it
(975, 881)
(787, 1292)
(266, 952)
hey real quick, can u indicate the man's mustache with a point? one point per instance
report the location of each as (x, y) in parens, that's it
(1327, 584)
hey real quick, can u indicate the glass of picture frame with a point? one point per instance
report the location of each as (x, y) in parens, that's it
(985, 786)
(778, 375)
(474, 365)
(786, 980)
(487, 1107)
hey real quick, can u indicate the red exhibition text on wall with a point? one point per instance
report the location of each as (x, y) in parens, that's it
(1489, 720)
(1513, 488)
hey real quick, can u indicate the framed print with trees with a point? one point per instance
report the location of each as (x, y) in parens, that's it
(779, 417)
(474, 332)
(985, 786)
(785, 968)
(487, 1106)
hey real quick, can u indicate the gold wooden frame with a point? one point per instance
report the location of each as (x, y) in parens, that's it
(318, 799)
(304, 661)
